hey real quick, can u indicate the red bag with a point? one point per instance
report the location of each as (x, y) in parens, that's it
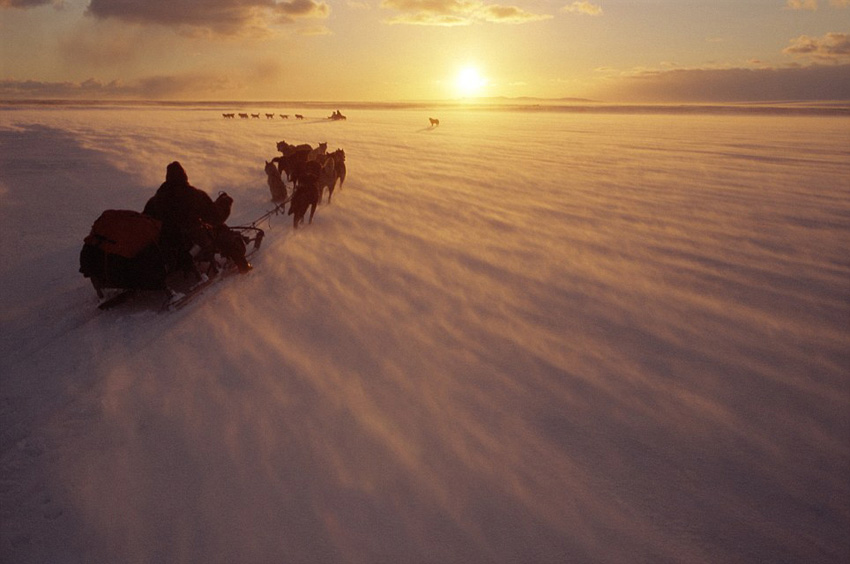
(123, 232)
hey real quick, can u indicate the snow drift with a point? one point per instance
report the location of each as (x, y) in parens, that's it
(515, 337)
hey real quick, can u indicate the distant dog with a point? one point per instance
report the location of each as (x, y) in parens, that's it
(243, 116)
(299, 116)
(255, 116)
(269, 116)
(434, 122)
(284, 116)
(229, 116)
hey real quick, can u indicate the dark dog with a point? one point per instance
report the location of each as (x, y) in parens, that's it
(293, 159)
(327, 177)
(306, 194)
(339, 165)
(276, 185)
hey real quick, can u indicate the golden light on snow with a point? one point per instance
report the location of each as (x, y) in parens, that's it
(561, 334)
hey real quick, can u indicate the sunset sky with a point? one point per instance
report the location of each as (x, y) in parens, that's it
(404, 50)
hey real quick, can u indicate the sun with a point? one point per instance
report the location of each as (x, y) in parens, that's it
(469, 81)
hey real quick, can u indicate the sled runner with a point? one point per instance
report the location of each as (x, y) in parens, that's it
(123, 255)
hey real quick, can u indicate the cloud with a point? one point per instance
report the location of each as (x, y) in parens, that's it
(811, 5)
(104, 46)
(317, 30)
(226, 17)
(815, 82)
(189, 86)
(584, 7)
(153, 87)
(830, 47)
(456, 12)
(28, 3)
(509, 14)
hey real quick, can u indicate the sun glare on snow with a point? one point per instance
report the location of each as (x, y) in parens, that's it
(469, 82)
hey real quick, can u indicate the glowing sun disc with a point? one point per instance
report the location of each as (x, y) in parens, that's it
(469, 81)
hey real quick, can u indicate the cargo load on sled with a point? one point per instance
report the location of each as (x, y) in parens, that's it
(122, 251)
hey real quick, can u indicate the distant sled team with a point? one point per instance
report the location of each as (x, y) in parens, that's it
(336, 115)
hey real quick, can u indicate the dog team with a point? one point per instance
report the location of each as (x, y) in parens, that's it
(310, 170)
(257, 116)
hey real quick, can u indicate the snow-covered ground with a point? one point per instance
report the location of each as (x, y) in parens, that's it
(515, 337)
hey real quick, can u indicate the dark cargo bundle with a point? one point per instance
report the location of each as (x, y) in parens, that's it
(122, 251)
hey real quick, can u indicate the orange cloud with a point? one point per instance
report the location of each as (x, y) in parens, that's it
(830, 47)
(584, 7)
(456, 12)
(509, 14)
(810, 5)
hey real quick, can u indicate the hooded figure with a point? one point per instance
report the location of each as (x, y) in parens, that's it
(189, 217)
(178, 204)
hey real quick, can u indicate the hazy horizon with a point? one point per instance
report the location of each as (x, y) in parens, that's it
(319, 111)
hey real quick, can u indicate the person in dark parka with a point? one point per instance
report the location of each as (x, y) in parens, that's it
(190, 217)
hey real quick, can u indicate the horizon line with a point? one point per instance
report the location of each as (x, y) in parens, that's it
(524, 103)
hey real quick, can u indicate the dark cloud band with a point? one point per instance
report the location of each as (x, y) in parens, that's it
(222, 16)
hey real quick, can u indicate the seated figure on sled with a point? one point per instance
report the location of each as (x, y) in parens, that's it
(181, 228)
(193, 223)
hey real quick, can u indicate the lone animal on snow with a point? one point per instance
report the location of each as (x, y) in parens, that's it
(434, 122)
(269, 116)
(243, 116)
(276, 184)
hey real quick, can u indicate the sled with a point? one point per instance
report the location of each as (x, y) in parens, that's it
(122, 257)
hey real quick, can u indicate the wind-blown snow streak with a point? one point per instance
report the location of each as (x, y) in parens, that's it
(516, 337)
